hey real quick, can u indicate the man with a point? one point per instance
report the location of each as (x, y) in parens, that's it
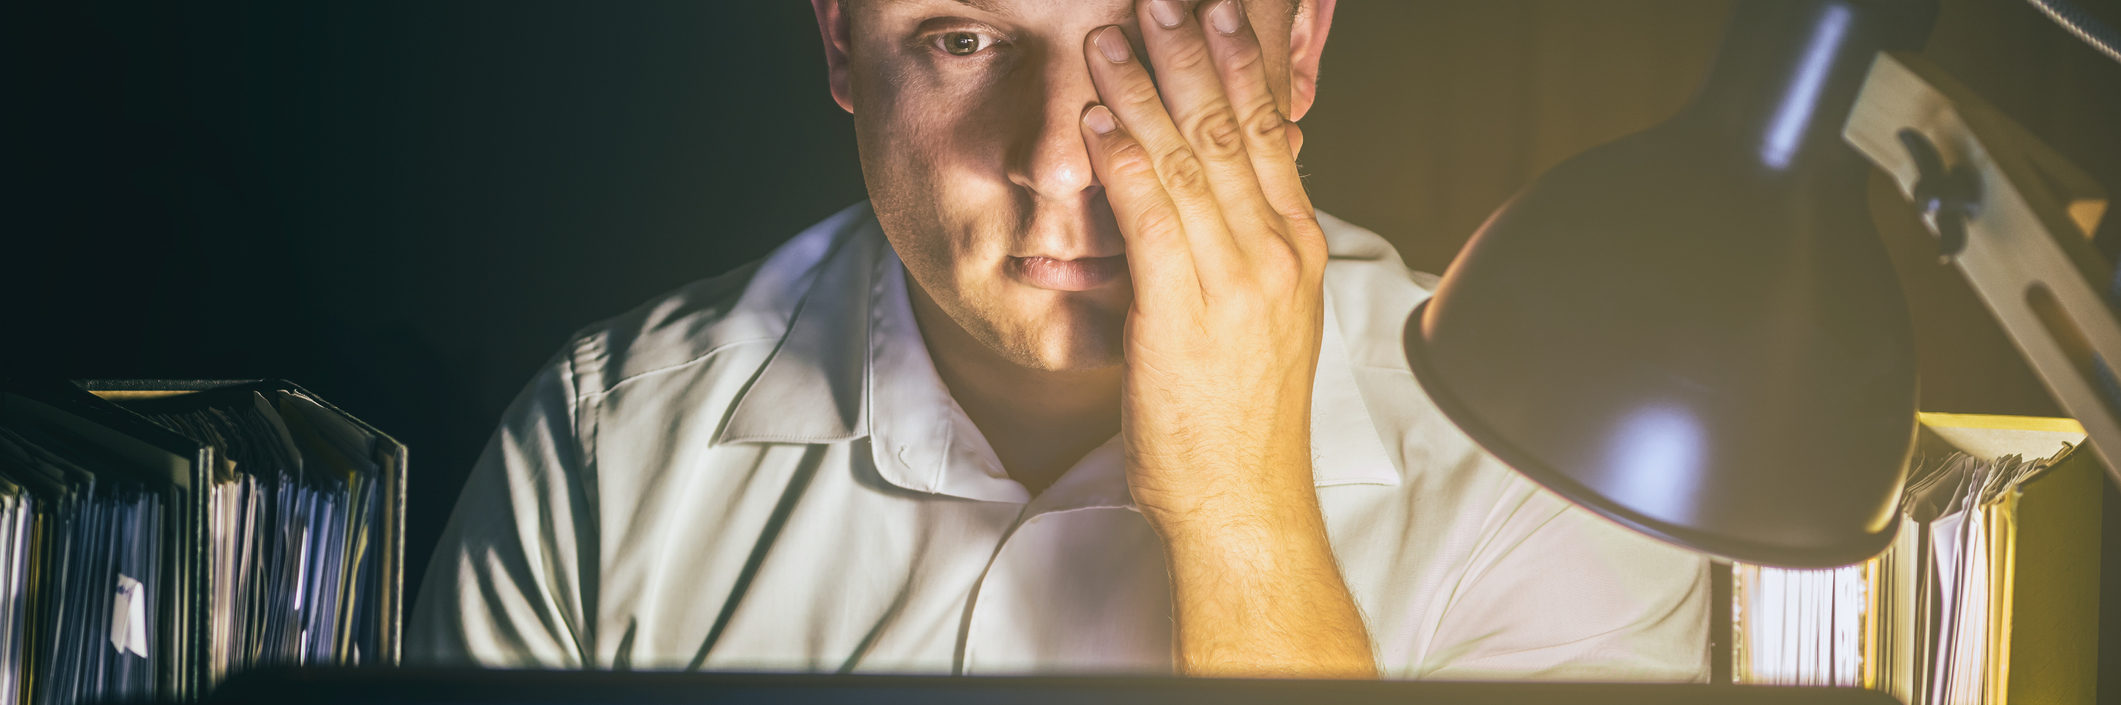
(1086, 386)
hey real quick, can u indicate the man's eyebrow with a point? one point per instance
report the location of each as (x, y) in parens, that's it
(987, 6)
(1122, 15)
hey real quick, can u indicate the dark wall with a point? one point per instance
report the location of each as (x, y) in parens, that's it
(407, 206)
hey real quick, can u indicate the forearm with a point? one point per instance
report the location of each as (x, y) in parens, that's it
(1258, 593)
(1222, 340)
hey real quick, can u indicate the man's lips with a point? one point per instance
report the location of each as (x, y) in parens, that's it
(1081, 274)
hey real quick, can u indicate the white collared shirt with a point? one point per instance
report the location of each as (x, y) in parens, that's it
(762, 471)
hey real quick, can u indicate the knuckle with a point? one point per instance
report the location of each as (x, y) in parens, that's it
(1181, 171)
(1186, 56)
(1141, 98)
(1312, 251)
(1278, 266)
(1265, 122)
(1305, 236)
(1245, 58)
(1155, 221)
(1216, 134)
(1130, 161)
(1300, 220)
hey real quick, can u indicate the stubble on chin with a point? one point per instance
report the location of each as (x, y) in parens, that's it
(1080, 337)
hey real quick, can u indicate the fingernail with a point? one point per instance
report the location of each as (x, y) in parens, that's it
(1099, 118)
(1226, 16)
(1167, 12)
(1113, 44)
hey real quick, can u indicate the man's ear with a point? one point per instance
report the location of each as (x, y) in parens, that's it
(832, 24)
(1307, 39)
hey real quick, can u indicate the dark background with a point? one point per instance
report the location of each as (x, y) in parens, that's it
(408, 206)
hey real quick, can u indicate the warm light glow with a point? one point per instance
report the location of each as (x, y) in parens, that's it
(1801, 627)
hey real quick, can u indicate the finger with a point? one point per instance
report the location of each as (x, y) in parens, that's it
(1270, 139)
(1192, 90)
(1159, 257)
(1126, 89)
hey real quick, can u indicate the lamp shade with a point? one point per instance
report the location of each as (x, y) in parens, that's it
(1695, 331)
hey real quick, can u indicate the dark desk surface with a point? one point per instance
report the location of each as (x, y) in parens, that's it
(438, 687)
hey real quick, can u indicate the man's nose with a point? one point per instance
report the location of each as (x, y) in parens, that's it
(1046, 153)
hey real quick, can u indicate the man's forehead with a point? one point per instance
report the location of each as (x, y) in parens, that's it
(1121, 11)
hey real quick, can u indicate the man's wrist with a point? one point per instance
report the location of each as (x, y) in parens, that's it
(1256, 590)
(1256, 533)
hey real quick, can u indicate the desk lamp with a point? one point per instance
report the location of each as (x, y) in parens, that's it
(1694, 331)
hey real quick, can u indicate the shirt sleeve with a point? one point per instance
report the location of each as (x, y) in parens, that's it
(504, 587)
(1558, 593)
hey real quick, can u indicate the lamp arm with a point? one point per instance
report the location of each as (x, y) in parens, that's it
(2082, 25)
(2027, 229)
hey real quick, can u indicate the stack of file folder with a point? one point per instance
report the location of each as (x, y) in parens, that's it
(157, 536)
(1989, 593)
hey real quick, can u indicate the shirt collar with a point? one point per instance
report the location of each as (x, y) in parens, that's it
(816, 388)
(810, 388)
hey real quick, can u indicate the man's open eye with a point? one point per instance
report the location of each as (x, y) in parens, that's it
(963, 43)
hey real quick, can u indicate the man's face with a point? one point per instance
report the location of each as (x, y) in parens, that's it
(967, 114)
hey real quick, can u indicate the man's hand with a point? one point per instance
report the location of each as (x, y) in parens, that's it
(1222, 342)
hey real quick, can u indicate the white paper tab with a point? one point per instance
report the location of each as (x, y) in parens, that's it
(128, 617)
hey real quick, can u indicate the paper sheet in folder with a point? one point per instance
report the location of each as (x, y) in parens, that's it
(158, 536)
(1988, 595)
